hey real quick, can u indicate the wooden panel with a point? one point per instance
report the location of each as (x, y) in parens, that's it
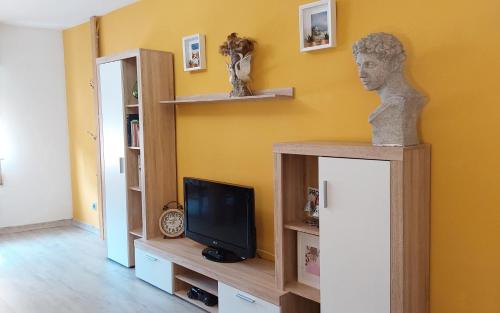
(416, 230)
(354, 150)
(278, 222)
(197, 280)
(158, 136)
(397, 244)
(303, 227)
(94, 43)
(304, 291)
(255, 276)
(294, 304)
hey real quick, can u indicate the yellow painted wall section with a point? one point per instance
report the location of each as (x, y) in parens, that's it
(81, 120)
(453, 49)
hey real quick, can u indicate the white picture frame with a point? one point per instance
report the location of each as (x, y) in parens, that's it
(308, 259)
(193, 51)
(316, 20)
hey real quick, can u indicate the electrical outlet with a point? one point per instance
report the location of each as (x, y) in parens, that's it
(94, 206)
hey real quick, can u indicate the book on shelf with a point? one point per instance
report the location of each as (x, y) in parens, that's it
(139, 168)
(133, 130)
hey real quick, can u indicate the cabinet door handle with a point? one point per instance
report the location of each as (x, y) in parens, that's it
(245, 298)
(325, 195)
(122, 165)
(151, 258)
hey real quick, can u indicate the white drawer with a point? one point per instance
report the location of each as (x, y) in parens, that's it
(232, 300)
(154, 270)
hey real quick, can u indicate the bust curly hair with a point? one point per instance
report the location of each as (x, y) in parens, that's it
(383, 46)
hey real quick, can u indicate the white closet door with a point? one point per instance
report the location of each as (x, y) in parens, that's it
(354, 235)
(113, 146)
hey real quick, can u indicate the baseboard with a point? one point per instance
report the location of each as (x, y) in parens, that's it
(90, 228)
(23, 228)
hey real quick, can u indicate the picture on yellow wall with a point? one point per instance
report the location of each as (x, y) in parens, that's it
(193, 48)
(317, 25)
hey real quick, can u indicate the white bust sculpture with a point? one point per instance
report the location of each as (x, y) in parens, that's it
(380, 59)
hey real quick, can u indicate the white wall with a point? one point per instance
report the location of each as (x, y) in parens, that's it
(33, 127)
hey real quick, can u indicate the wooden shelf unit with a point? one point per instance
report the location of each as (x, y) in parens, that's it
(282, 93)
(150, 168)
(296, 167)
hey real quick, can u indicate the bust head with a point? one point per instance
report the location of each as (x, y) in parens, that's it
(379, 57)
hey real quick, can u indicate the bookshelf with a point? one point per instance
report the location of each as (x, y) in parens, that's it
(149, 162)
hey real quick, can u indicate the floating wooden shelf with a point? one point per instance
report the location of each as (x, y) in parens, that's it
(183, 295)
(137, 232)
(303, 227)
(132, 105)
(282, 93)
(303, 290)
(135, 188)
(197, 280)
(134, 148)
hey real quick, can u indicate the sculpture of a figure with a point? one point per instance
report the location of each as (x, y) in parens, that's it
(380, 59)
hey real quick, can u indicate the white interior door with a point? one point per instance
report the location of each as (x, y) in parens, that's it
(354, 235)
(113, 147)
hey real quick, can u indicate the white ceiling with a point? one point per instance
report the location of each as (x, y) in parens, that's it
(55, 14)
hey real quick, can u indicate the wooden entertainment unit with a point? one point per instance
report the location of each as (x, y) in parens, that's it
(248, 286)
(374, 214)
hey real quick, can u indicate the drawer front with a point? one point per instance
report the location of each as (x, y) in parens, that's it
(154, 270)
(232, 300)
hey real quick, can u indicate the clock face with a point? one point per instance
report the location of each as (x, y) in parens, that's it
(172, 223)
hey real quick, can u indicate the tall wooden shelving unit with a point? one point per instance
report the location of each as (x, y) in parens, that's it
(405, 231)
(155, 184)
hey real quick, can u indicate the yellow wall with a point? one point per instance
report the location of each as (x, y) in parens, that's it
(453, 48)
(81, 120)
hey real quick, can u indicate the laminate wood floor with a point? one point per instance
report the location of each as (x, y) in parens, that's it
(65, 270)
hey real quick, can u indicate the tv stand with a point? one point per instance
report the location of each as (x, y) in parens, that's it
(220, 255)
(177, 265)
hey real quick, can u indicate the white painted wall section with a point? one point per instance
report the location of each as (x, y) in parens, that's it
(33, 127)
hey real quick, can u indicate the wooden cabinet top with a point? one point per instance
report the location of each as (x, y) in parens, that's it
(342, 149)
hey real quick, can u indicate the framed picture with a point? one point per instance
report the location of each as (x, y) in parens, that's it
(311, 209)
(317, 23)
(193, 49)
(308, 259)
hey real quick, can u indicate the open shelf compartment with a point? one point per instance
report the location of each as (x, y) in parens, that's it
(185, 279)
(298, 172)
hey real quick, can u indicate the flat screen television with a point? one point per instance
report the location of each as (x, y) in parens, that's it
(221, 216)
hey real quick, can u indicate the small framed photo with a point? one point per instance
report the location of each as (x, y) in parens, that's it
(193, 48)
(317, 23)
(308, 259)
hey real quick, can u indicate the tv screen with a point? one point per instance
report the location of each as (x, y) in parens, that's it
(220, 216)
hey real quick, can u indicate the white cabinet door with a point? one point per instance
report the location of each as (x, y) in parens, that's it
(113, 149)
(354, 235)
(154, 270)
(232, 300)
